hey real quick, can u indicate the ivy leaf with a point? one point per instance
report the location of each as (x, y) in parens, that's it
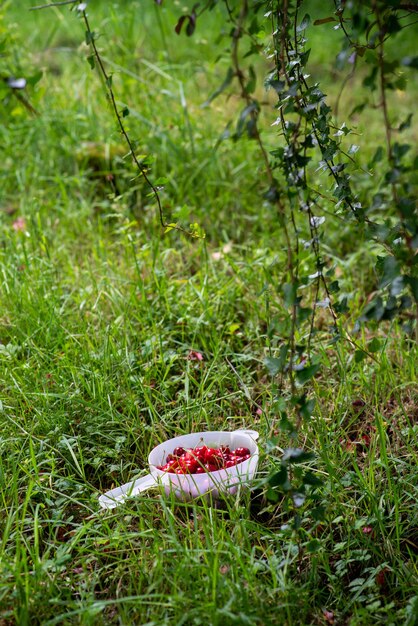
(302, 376)
(406, 123)
(304, 23)
(413, 284)
(374, 346)
(305, 406)
(280, 479)
(311, 479)
(359, 356)
(296, 455)
(313, 546)
(275, 365)
(90, 37)
(374, 310)
(388, 268)
(277, 85)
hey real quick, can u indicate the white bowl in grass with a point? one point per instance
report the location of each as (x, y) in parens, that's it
(189, 486)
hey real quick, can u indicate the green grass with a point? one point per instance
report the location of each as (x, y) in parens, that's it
(99, 311)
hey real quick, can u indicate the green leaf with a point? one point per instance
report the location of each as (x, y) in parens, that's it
(280, 479)
(252, 81)
(275, 365)
(313, 546)
(304, 23)
(334, 287)
(410, 62)
(90, 37)
(91, 61)
(35, 78)
(162, 180)
(285, 425)
(305, 56)
(406, 123)
(289, 292)
(125, 112)
(228, 79)
(377, 157)
(318, 513)
(359, 355)
(374, 310)
(388, 268)
(302, 376)
(305, 406)
(374, 346)
(413, 284)
(296, 455)
(274, 83)
(311, 479)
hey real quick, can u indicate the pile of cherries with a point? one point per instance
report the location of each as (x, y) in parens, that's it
(203, 459)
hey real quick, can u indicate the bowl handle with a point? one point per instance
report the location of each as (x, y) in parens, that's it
(114, 497)
(247, 431)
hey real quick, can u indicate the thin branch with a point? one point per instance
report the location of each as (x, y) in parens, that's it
(111, 96)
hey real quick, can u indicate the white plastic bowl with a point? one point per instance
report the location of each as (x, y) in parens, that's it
(189, 486)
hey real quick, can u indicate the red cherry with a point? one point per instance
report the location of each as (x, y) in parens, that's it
(188, 456)
(172, 465)
(242, 451)
(178, 451)
(190, 467)
(210, 467)
(214, 456)
(200, 452)
(230, 463)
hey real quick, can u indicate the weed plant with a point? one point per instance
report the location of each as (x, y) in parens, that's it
(101, 318)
